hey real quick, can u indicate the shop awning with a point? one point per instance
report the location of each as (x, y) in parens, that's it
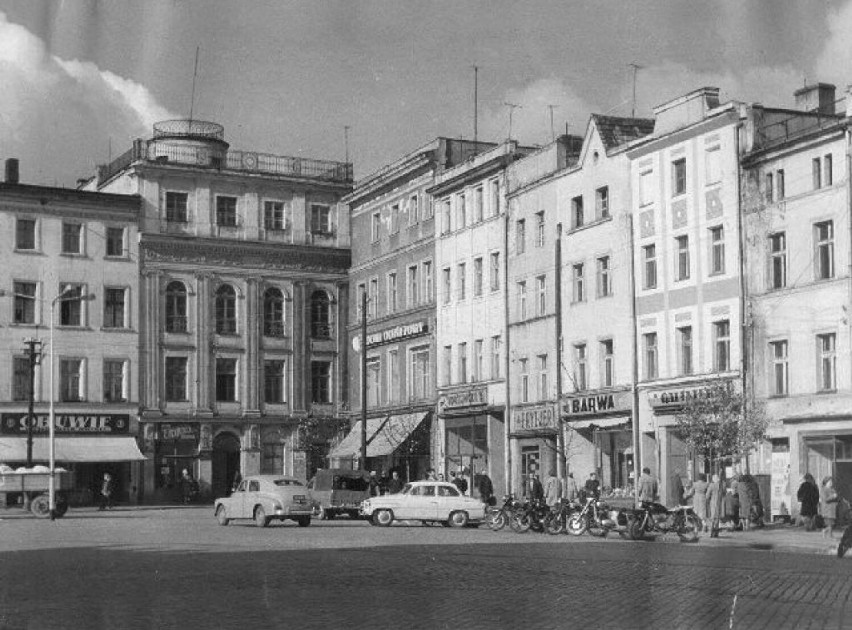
(393, 433)
(599, 423)
(72, 449)
(350, 446)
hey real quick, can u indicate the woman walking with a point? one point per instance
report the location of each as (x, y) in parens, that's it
(698, 492)
(808, 496)
(828, 506)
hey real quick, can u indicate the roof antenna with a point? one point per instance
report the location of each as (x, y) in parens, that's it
(636, 67)
(194, 76)
(552, 132)
(475, 104)
(346, 141)
(512, 107)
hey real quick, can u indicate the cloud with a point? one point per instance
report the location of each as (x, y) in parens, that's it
(58, 116)
(835, 61)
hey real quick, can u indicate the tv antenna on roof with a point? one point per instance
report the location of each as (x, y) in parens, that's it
(636, 67)
(194, 76)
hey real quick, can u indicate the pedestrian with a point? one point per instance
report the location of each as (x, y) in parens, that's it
(552, 489)
(534, 489)
(732, 507)
(745, 493)
(383, 483)
(572, 490)
(458, 481)
(808, 496)
(395, 483)
(106, 492)
(593, 486)
(237, 479)
(648, 486)
(698, 493)
(486, 489)
(441, 477)
(374, 484)
(714, 496)
(828, 506)
(187, 485)
(430, 475)
(676, 490)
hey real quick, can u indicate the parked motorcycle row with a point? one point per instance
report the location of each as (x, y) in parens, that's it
(589, 514)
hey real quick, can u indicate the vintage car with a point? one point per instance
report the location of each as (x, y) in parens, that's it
(263, 498)
(336, 491)
(426, 501)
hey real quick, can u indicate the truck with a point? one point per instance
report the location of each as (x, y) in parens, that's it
(35, 486)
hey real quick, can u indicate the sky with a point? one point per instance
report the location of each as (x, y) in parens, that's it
(80, 79)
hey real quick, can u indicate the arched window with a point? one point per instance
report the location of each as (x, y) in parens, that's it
(176, 307)
(320, 319)
(273, 313)
(226, 310)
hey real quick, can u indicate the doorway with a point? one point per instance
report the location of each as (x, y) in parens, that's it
(225, 462)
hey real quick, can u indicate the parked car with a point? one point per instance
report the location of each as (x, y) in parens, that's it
(427, 501)
(263, 498)
(336, 491)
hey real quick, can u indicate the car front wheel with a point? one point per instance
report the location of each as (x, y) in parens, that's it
(260, 517)
(458, 519)
(222, 516)
(303, 521)
(383, 518)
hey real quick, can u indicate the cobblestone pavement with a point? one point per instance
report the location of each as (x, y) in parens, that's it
(178, 569)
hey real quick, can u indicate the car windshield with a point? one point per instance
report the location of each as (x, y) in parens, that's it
(342, 482)
(287, 482)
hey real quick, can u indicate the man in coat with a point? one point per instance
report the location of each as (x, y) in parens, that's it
(572, 490)
(677, 488)
(552, 489)
(534, 489)
(648, 488)
(593, 486)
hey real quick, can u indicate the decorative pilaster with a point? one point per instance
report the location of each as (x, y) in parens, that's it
(253, 363)
(150, 398)
(301, 347)
(204, 331)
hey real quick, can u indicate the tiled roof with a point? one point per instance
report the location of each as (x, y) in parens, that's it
(615, 130)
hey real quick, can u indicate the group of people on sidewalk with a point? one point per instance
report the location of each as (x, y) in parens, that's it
(818, 504)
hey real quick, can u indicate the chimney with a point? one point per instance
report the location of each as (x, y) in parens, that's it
(11, 170)
(818, 98)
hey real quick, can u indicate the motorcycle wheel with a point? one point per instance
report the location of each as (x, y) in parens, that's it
(599, 532)
(635, 529)
(576, 525)
(555, 525)
(520, 523)
(498, 522)
(687, 532)
(845, 542)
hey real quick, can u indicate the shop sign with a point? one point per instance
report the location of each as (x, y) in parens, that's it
(397, 333)
(675, 398)
(178, 432)
(470, 397)
(537, 418)
(16, 423)
(597, 404)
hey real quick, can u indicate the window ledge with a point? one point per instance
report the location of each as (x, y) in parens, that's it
(23, 325)
(29, 252)
(126, 259)
(822, 392)
(116, 329)
(72, 255)
(714, 274)
(588, 225)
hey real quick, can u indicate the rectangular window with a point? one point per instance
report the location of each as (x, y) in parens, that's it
(20, 378)
(828, 175)
(374, 382)
(769, 188)
(525, 380)
(779, 184)
(649, 256)
(176, 207)
(321, 381)
(477, 204)
(539, 231)
(72, 235)
(176, 379)
(543, 387)
(461, 212)
(495, 271)
(816, 172)
(114, 308)
(602, 202)
(428, 209)
(448, 364)
(392, 388)
(679, 177)
(476, 369)
(780, 372)
(461, 280)
(115, 241)
(321, 219)
(273, 215)
(722, 346)
(71, 306)
(114, 380)
(71, 380)
(413, 209)
(824, 254)
(646, 188)
(428, 288)
(682, 258)
(394, 219)
(495, 357)
(477, 276)
(827, 350)
(778, 260)
(446, 217)
(522, 299)
(420, 387)
(362, 292)
(520, 236)
(651, 363)
(447, 284)
(462, 359)
(226, 380)
(373, 299)
(375, 225)
(273, 381)
(413, 288)
(392, 293)
(25, 234)
(226, 211)
(712, 165)
(541, 295)
(684, 349)
(604, 282)
(607, 363)
(581, 381)
(578, 282)
(577, 218)
(717, 249)
(25, 302)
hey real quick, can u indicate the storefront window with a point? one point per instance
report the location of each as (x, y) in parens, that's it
(175, 449)
(467, 443)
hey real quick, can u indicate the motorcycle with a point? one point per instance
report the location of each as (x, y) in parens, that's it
(498, 517)
(531, 516)
(598, 519)
(654, 518)
(556, 521)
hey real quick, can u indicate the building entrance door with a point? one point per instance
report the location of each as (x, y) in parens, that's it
(225, 462)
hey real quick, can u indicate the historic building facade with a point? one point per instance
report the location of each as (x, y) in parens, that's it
(244, 298)
(71, 255)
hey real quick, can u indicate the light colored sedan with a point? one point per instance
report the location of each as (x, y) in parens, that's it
(266, 497)
(427, 501)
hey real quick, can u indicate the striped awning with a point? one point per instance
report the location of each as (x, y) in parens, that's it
(72, 449)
